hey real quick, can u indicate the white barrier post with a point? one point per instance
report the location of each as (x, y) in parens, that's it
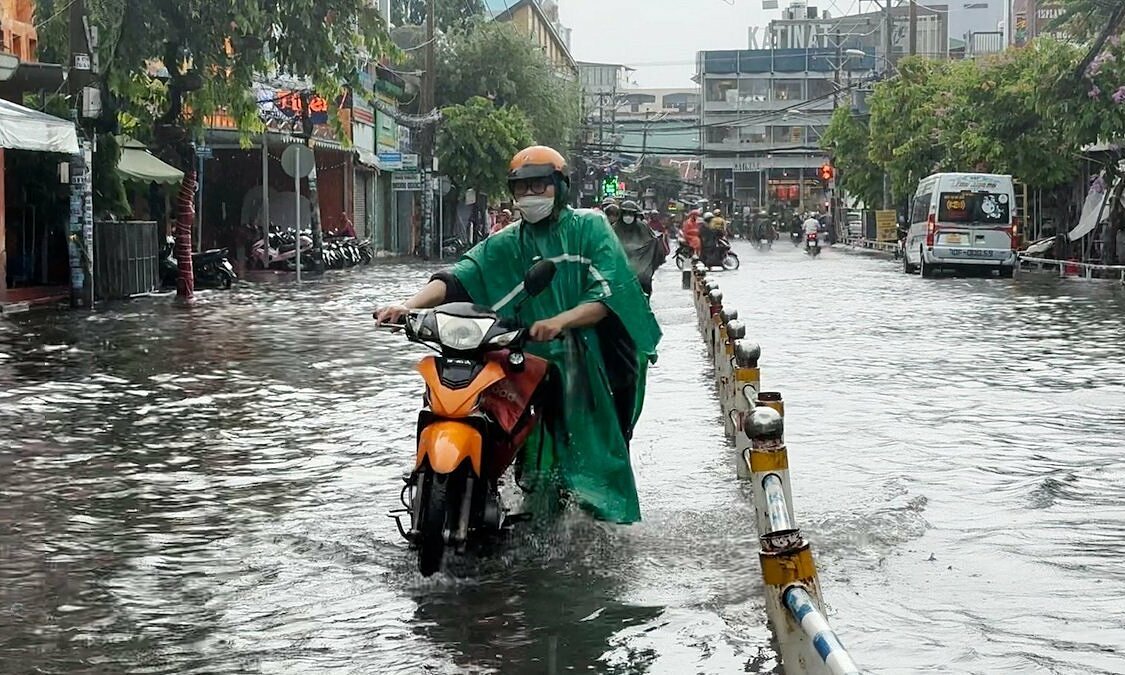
(768, 461)
(728, 387)
(711, 326)
(746, 382)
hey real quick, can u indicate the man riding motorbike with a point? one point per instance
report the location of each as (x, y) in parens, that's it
(595, 303)
(643, 247)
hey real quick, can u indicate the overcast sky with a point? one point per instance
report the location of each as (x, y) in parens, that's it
(642, 32)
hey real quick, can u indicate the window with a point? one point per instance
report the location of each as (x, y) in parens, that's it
(721, 134)
(788, 90)
(815, 132)
(721, 90)
(821, 89)
(920, 209)
(750, 90)
(787, 134)
(753, 135)
(974, 207)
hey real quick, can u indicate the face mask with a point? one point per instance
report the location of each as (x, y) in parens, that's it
(629, 220)
(536, 209)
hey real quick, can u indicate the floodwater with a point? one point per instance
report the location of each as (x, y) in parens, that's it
(205, 490)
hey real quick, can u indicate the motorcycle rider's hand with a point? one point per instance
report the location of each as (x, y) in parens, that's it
(391, 314)
(547, 330)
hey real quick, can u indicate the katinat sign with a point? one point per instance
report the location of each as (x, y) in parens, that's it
(802, 35)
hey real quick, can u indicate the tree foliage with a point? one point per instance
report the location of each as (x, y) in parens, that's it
(664, 181)
(1022, 112)
(225, 45)
(847, 141)
(477, 141)
(448, 14)
(495, 60)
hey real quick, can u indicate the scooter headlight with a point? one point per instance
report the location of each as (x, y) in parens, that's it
(461, 333)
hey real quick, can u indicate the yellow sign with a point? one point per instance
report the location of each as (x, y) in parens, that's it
(886, 225)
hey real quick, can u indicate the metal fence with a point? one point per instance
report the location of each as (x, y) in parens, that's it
(126, 259)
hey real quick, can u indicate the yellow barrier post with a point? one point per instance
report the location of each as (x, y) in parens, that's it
(728, 386)
(746, 382)
(768, 461)
(785, 556)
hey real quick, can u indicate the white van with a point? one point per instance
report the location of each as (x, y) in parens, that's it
(962, 221)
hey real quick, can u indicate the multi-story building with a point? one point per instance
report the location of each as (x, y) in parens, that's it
(765, 108)
(540, 20)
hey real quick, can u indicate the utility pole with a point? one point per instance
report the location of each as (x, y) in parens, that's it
(80, 231)
(888, 36)
(428, 85)
(913, 30)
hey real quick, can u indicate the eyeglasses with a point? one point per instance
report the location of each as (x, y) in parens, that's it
(530, 186)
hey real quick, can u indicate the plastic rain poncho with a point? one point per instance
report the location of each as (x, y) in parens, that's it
(603, 368)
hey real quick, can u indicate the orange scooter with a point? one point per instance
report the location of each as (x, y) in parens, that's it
(481, 403)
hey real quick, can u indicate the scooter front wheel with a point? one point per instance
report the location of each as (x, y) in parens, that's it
(431, 525)
(731, 262)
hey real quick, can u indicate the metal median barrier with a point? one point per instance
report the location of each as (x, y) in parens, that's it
(755, 420)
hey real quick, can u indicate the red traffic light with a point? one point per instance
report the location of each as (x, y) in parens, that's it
(826, 172)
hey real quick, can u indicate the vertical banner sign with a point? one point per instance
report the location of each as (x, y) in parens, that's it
(88, 219)
(80, 229)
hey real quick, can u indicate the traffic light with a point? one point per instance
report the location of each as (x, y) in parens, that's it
(826, 172)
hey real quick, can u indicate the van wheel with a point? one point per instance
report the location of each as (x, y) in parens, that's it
(927, 269)
(907, 268)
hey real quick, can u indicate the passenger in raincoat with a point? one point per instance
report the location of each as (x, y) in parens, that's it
(596, 304)
(643, 247)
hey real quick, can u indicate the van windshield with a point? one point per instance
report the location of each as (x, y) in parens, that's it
(974, 207)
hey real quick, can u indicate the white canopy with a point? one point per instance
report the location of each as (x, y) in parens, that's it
(26, 129)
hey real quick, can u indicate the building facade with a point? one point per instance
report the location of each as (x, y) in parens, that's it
(540, 20)
(764, 109)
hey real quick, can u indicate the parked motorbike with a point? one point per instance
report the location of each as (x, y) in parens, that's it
(795, 237)
(812, 244)
(211, 268)
(451, 247)
(282, 251)
(481, 402)
(720, 255)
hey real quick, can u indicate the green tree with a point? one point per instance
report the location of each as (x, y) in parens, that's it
(495, 60)
(904, 127)
(211, 53)
(476, 142)
(664, 181)
(849, 144)
(448, 14)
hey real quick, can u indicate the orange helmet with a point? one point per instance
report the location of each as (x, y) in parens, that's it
(538, 161)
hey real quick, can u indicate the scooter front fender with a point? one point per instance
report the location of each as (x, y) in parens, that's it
(446, 445)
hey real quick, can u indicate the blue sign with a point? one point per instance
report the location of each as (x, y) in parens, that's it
(390, 160)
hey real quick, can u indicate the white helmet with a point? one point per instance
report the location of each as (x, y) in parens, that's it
(708, 216)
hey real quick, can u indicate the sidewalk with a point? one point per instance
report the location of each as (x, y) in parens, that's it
(16, 300)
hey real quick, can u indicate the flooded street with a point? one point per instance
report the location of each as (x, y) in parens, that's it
(205, 490)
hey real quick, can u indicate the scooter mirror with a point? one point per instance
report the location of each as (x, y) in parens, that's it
(539, 277)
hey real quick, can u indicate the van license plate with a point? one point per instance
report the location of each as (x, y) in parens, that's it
(973, 253)
(952, 239)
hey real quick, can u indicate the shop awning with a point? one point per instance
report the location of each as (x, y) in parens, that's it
(137, 163)
(26, 129)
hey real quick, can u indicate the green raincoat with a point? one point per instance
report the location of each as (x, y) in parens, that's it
(603, 367)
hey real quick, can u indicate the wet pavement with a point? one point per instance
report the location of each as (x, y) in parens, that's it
(204, 490)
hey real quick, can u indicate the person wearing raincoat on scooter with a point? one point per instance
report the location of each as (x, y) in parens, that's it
(643, 247)
(595, 304)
